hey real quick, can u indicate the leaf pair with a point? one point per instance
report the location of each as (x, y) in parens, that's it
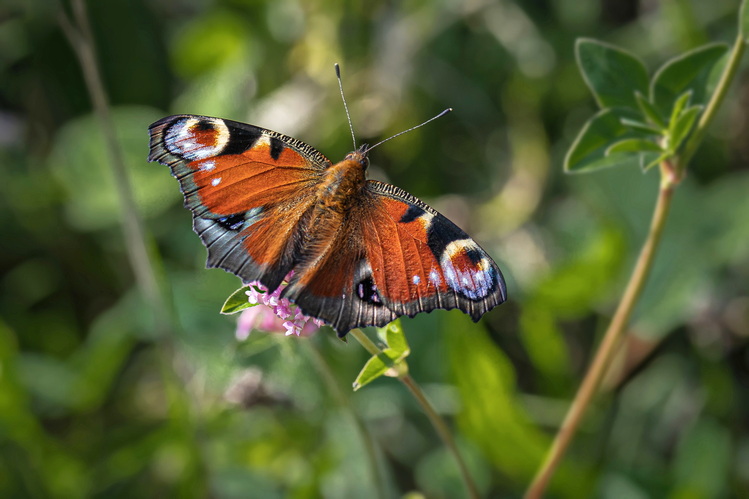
(642, 120)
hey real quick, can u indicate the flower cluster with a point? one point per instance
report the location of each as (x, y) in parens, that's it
(272, 313)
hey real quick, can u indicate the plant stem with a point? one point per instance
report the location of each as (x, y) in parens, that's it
(671, 174)
(439, 424)
(81, 39)
(366, 437)
(611, 340)
(715, 102)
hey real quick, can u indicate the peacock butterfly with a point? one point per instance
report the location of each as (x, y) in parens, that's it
(362, 252)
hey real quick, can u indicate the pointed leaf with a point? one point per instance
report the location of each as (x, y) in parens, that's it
(649, 161)
(237, 302)
(395, 338)
(641, 127)
(612, 74)
(388, 363)
(683, 126)
(688, 71)
(588, 152)
(633, 145)
(649, 111)
(679, 106)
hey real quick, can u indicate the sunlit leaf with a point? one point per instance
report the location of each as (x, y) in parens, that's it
(237, 302)
(388, 363)
(395, 337)
(689, 71)
(613, 75)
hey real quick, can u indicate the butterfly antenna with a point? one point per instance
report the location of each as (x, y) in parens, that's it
(412, 128)
(345, 106)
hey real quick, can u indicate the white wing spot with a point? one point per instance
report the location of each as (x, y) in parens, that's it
(216, 181)
(416, 279)
(434, 277)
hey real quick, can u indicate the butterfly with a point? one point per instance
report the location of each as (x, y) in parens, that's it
(362, 252)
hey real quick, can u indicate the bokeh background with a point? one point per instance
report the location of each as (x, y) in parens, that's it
(97, 400)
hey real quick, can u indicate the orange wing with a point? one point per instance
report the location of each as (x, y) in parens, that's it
(250, 190)
(394, 255)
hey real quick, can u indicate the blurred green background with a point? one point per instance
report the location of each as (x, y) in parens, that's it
(96, 402)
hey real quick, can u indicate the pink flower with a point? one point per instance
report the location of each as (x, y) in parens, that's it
(272, 313)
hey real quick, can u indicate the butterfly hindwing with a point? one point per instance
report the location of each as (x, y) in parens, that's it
(249, 189)
(334, 280)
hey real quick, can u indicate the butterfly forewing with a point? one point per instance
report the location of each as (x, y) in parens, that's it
(249, 190)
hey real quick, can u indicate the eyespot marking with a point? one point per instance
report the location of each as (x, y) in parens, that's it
(467, 270)
(194, 139)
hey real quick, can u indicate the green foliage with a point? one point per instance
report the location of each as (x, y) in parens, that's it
(391, 362)
(613, 75)
(237, 301)
(630, 128)
(95, 402)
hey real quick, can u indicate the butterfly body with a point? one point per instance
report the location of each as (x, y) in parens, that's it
(363, 252)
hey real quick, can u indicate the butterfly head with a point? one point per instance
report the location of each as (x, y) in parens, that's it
(359, 156)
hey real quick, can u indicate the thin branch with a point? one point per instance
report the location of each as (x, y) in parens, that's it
(609, 344)
(439, 424)
(80, 37)
(671, 174)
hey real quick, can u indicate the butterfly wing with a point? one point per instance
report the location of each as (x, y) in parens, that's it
(395, 255)
(421, 261)
(250, 190)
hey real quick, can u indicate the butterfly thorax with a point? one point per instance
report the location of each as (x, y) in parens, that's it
(342, 183)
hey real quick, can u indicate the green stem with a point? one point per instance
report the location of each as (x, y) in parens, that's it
(81, 39)
(670, 177)
(439, 424)
(714, 104)
(366, 437)
(603, 356)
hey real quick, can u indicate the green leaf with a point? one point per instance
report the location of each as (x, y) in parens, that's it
(690, 71)
(648, 162)
(391, 361)
(633, 145)
(237, 302)
(393, 335)
(649, 111)
(744, 21)
(679, 106)
(641, 127)
(588, 152)
(613, 75)
(683, 125)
